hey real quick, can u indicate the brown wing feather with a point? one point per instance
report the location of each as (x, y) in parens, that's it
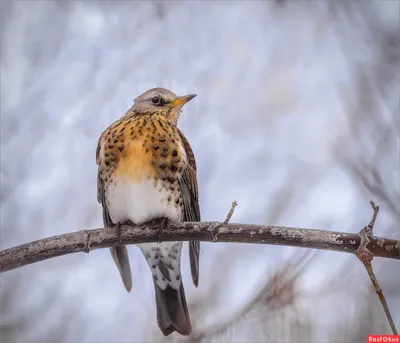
(120, 253)
(190, 193)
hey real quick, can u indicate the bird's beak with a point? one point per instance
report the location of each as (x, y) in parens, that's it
(182, 100)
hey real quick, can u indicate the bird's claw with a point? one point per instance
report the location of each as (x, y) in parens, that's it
(118, 228)
(163, 224)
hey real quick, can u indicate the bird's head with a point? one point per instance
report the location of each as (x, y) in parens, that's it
(161, 101)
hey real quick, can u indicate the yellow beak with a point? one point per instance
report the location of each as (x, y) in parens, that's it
(182, 100)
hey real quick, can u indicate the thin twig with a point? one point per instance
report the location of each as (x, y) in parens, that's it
(365, 256)
(230, 213)
(214, 228)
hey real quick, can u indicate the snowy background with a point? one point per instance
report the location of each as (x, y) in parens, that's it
(297, 118)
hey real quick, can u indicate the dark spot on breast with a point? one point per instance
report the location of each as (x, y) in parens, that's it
(172, 256)
(121, 148)
(153, 266)
(122, 130)
(110, 146)
(107, 162)
(178, 277)
(170, 179)
(109, 140)
(174, 153)
(115, 141)
(173, 168)
(155, 147)
(147, 150)
(169, 199)
(164, 154)
(156, 257)
(172, 188)
(161, 139)
(152, 139)
(162, 165)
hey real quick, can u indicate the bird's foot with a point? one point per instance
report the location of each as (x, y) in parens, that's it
(118, 229)
(163, 224)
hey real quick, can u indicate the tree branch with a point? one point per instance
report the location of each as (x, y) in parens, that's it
(87, 240)
(365, 256)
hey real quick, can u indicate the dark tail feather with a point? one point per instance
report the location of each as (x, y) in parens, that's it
(172, 312)
(194, 256)
(121, 259)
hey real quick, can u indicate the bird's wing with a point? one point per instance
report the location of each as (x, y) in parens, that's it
(120, 253)
(190, 194)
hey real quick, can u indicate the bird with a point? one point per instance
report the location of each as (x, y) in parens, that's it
(147, 171)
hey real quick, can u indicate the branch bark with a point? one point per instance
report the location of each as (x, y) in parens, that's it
(87, 240)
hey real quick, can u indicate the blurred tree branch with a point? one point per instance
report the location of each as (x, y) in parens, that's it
(275, 293)
(87, 240)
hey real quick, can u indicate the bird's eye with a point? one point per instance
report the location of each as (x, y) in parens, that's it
(156, 100)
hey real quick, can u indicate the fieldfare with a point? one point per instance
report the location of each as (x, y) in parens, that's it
(147, 171)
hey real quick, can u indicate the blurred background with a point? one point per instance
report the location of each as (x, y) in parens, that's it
(297, 118)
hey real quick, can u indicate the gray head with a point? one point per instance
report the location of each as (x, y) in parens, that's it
(161, 101)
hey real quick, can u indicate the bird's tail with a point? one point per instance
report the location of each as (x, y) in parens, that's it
(172, 312)
(121, 259)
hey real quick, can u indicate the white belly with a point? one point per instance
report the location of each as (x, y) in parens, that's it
(140, 202)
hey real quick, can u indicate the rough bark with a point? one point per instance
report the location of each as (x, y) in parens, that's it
(87, 240)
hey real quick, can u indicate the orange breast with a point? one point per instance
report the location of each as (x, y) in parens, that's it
(142, 148)
(135, 163)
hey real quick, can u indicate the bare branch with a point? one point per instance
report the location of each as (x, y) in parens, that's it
(87, 240)
(365, 256)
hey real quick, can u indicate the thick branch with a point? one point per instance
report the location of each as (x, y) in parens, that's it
(87, 240)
